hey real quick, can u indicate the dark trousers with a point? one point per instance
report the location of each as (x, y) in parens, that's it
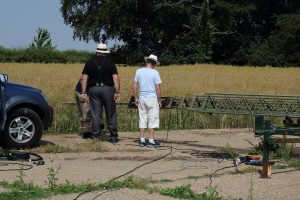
(103, 96)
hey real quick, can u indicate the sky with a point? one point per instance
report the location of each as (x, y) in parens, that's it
(19, 20)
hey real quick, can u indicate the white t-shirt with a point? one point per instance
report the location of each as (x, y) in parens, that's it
(147, 79)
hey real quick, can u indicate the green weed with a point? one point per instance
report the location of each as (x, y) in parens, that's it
(232, 153)
(186, 192)
(23, 191)
(52, 176)
(21, 174)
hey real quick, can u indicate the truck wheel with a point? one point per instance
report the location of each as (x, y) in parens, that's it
(23, 129)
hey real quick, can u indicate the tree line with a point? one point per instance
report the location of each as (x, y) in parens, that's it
(239, 32)
(41, 50)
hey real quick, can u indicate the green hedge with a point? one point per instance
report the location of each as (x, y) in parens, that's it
(43, 56)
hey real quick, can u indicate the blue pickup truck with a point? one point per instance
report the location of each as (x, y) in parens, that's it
(24, 114)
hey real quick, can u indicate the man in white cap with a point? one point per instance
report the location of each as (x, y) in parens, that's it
(148, 81)
(100, 81)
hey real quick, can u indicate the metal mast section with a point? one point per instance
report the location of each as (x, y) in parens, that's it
(256, 105)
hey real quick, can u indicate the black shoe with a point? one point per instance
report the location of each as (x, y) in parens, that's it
(96, 137)
(86, 135)
(142, 144)
(153, 145)
(113, 139)
(102, 126)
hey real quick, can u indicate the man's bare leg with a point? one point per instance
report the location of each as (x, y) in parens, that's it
(142, 133)
(151, 135)
(142, 136)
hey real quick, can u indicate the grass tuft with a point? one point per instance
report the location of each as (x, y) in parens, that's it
(56, 149)
(23, 191)
(186, 192)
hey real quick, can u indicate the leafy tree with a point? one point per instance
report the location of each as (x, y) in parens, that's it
(42, 40)
(158, 26)
(282, 47)
(180, 31)
(245, 21)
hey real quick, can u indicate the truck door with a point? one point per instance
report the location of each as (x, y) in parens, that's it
(1, 100)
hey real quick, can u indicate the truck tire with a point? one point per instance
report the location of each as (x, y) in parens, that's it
(23, 129)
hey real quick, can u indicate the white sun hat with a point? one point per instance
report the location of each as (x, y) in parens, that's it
(102, 48)
(153, 58)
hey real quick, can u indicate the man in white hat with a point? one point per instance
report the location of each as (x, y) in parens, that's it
(147, 79)
(100, 81)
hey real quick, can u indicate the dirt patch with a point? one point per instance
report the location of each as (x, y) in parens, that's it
(192, 160)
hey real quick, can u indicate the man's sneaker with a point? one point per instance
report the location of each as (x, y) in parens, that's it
(113, 138)
(85, 135)
(153, 145)
(96, 137)
(102, 126)
(142, 144)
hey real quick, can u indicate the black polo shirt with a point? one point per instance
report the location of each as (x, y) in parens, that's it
(100, 70)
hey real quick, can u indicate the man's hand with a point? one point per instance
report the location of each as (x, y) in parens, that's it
(160, 104)
(84, 97)
(137, 101)
(117, 97)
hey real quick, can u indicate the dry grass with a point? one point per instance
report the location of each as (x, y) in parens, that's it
(58, 80)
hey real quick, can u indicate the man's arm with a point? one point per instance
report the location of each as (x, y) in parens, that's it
(135, 88)
(158, 89)
(117, 85)
(83, 81)
(158, 93)
(84, 78)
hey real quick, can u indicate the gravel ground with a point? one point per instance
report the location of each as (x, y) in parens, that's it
(2, 189)
(186, 164)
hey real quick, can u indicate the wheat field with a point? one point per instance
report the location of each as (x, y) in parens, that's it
(58, 81)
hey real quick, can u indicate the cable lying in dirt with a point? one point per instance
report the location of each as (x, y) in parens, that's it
(21, 166)
(19, 156)
(146, 163)
(219, 156)
(134, 169)
(196, 153)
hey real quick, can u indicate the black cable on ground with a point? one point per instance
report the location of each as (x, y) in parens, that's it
(160, 158)
(19, 156)
(197, 153)
(146, 163)
(134, 169)
(20, 165)
(215, 172)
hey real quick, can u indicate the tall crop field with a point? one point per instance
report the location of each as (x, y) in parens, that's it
(58, 81)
